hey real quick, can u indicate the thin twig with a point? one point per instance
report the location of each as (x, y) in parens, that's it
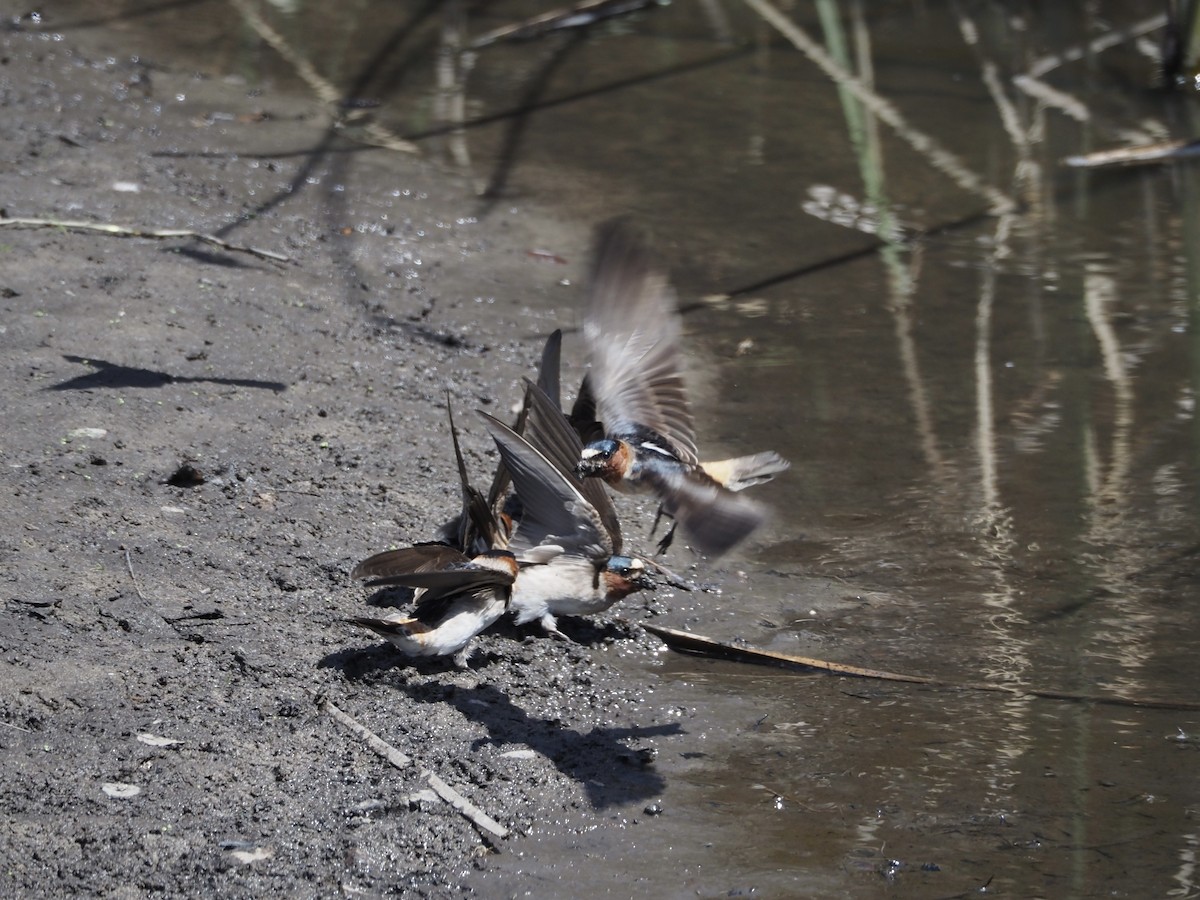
(17, 727)
(129, 567)
(154, 233)
(477, 816)
(372, 740)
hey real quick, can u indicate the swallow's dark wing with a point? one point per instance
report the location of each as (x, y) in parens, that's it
(548, 379)
(396, 563)
(713, 518)
(476, 519)
(632, 329)
(583, 414)
(550, 373)
(555, 510)
(548, 431)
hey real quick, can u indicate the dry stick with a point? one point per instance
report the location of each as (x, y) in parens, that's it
(938, 156)
(322, 87)
(401, 761)
(687, 642)
(129, 566)
(372, 740)
(134, 231)
(472, 812)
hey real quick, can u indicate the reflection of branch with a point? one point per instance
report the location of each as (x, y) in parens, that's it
(134, 231)
(1032, 84)
(321, 86)
(939, 157)
(577, 16)
(1049, 63)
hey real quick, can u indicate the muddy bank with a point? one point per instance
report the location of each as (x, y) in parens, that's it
(200, 443)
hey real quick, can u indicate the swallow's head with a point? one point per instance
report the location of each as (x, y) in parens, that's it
(608, 459)
(624, 575)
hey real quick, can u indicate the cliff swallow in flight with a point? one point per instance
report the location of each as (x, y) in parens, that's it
(577, 537)
(461, 596)
(635, 385)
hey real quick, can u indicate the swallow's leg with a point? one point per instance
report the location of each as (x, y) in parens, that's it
(550, 626)
(665, 544)
(462, 657)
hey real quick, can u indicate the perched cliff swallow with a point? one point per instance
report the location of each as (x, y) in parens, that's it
(635, 385)
(461, 597)
(582, 572)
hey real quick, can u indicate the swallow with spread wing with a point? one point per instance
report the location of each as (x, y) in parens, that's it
(568, 524)
(461, 596)
(635, 386)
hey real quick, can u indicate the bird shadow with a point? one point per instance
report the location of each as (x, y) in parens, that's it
(606, 760)
(106, 374)
(611, 772)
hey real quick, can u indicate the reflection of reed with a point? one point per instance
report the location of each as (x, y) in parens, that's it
(453, 68)
(1185, 875)
(1099, 293)
(324, 90)
(864, 135)
(1125, 630)
(937, 155)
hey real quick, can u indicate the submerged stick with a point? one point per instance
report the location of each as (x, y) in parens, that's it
(687, 642)
(1141, 155)
(154, 233)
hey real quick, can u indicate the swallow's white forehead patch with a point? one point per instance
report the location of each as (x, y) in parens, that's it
(589, 452)
(636, 564)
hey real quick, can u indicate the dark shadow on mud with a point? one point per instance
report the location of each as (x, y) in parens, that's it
(602, 759)
(607, 761)
(209, 258)
(106, 374)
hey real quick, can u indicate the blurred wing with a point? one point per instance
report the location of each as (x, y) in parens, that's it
(549, 432)
(713, 517)
(632, 331)
(555, 510)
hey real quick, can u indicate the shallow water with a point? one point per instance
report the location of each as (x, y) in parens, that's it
(991, 415)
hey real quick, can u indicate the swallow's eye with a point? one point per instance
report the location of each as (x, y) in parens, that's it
(601, 450)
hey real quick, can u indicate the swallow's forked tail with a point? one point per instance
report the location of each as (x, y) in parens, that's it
(746, 471)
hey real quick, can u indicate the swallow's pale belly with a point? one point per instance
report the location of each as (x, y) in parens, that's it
(560, 589)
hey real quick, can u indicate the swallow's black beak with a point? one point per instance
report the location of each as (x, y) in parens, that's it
(644, 582)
